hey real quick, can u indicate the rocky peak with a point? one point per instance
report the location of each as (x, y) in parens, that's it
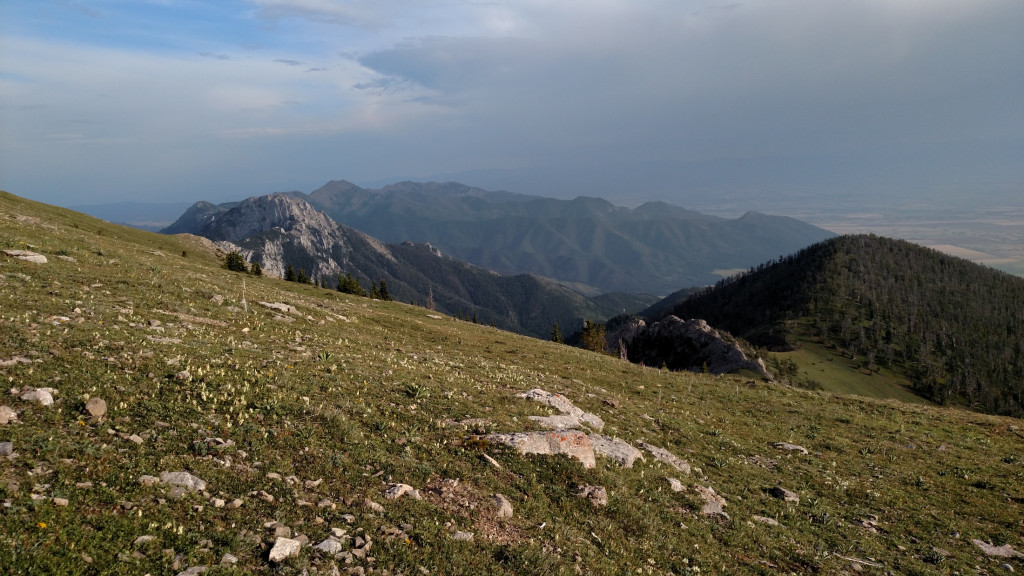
(261, 213)
(688, 345)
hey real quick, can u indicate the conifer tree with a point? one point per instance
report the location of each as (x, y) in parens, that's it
(256, 269)
(556, 335)
(289, 274)
(302, 278)
(235, 262)
(384, 294)
(593, 336)
(374, 291)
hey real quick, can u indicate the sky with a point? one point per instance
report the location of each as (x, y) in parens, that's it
(634, 100)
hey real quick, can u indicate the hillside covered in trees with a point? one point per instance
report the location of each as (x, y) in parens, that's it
(956, 329)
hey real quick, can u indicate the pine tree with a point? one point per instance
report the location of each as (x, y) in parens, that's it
(556, 335)
(374, 291)
(384, 294)
(593, 337)
(303, 278)
(235, 262)
(256, 269)
(289, 274)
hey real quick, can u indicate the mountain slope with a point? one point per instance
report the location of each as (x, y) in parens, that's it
(587, 243)
(953, 327)
(283, 230)
(299, 428)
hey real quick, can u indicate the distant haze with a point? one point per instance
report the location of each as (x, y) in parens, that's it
(689, 101)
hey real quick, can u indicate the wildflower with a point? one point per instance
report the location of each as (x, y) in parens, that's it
(41, 524)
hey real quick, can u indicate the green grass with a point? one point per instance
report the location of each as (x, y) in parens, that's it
(840, 374)
(360, 393)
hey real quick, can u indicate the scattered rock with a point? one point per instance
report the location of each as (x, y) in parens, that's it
(373, 506)
(44, 396)
(183, 479)
(284, 548)
(675, 484)
(463, 536)
(7, 449)
(330, 546)
(60, 502)
(193, 571)
(790, 447)
(765, 520)
(280, 307)
(136, 439)
(1004, 551)
(27, 256)
(597, 495)
(616, 449)
(7, 415)
(571, 416)
(183, 375)
(713, 502)
(147, 480)
(784, 495)
(504, 506)
(228, 560)
(96, 407)
(573, 443)
(236, 503)
(491, 461)
(144, 540)
(667, 457)
(396, 491)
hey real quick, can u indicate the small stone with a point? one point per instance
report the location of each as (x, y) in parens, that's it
(597, 495)
(6, 449)
(60, 502)
(217, 502)
(765, 520)
(147, 480)
(396, 491)
(183, 479)
(326, 503)
(667, 457)
(96, 407)
(144, 540)
(193, 571)
(372, 506)
(27, 255)
(790, 447)
(83, 485)
(282, 531)
(236, 503)
(491, 461)
(228, 560)
(1004, 551)
(330, 546)
(136, 439)
(463, 536)
(40, 395)
(284, 548)
(7, 415)
(713, 502)
(675, 485)
(504, 506)
(784, 495)
(183, 375)
(1007, 567)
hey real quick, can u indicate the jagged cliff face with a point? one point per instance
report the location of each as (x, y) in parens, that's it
(686, 345)
(278, 230)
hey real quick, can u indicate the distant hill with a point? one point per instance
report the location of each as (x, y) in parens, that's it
(586, 243)
(142, 215)
(955, 328)
(283, 230)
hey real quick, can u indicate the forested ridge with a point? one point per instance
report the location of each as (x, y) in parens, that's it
(955, 328)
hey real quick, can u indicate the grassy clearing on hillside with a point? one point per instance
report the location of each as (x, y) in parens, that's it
(839, 374)
(323, 408)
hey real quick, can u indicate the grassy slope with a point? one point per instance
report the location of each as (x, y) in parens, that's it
(837, 373)
(356, 392)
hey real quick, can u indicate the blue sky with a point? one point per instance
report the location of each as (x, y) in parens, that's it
(180, 100)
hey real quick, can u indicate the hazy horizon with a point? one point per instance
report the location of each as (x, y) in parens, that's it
(686, 102)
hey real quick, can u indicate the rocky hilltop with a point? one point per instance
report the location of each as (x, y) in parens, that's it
(684, 345)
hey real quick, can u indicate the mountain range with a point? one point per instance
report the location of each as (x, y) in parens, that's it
(281, 230)
(586, 243)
